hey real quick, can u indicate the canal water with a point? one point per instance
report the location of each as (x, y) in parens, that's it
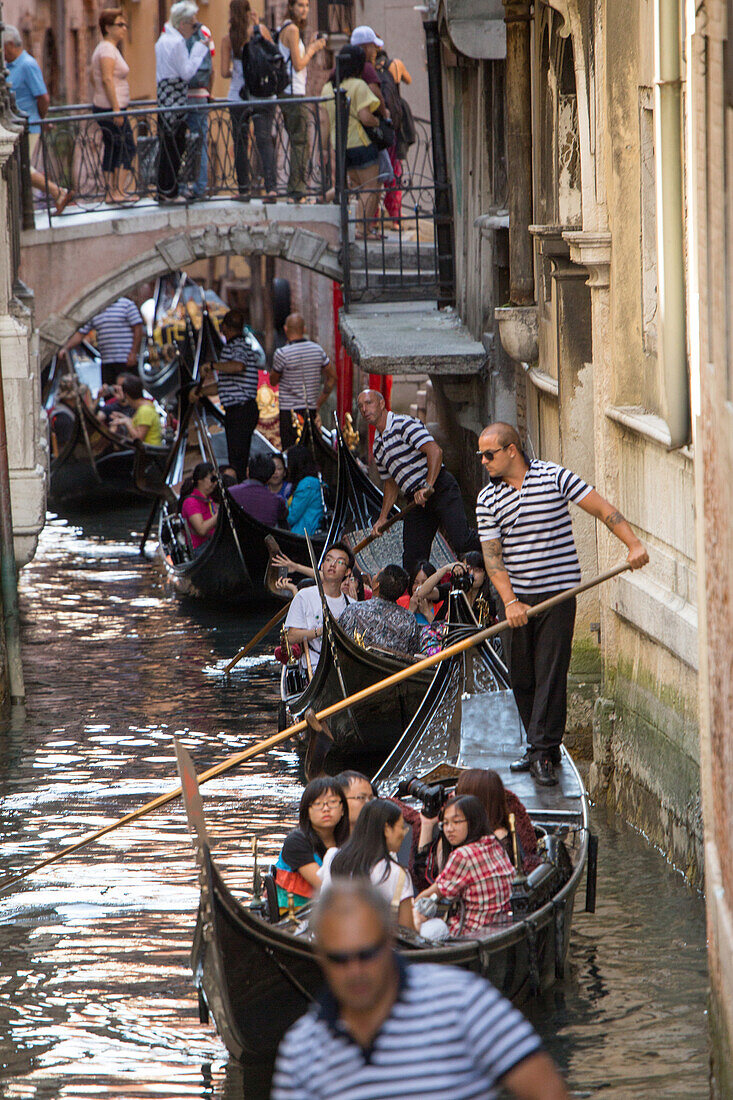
(96, 998)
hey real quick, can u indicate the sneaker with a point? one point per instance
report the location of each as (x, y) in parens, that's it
(543, 772)
(523, 764)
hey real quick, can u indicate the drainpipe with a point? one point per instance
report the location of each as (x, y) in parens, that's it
(519, 150)
(670, 220)
(443, 205)
(8, 572)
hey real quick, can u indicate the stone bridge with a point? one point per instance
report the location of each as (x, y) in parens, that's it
(80, 263)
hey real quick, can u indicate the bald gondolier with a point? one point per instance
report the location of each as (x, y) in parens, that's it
(410, 461)
(529, 550)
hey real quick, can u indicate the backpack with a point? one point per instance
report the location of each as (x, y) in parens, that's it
(391, 97)
(264, 67)
(407, 135)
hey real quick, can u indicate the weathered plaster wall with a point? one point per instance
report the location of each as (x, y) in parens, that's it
(709, 166)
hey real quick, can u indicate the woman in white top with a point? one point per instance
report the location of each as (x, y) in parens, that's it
(111, 92)
(242, 23)
(370, 851)
(174, 67)
(295, 115)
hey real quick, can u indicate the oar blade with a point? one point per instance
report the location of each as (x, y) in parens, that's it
(192, 801)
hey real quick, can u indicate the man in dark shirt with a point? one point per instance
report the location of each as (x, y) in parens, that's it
(381, 622)
(255, 498)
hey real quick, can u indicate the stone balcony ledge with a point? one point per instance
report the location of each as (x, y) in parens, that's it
(410, 338)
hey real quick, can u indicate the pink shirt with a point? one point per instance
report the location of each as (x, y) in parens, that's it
(196, 505)
(119, 76)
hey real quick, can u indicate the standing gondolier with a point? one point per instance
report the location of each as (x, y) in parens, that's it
(410, 461)
(237, 378)
(529, 550)
(296, 370)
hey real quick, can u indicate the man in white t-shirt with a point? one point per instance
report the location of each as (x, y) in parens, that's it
(304, 620)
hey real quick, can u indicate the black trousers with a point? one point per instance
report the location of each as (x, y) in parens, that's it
(111, 372)
(420, 527)
(239, 426)
(172, 133)
(289, 433)
(538, 656)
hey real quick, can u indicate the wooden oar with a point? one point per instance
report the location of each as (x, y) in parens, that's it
(389, 523)
(257, 638)
(327, 712)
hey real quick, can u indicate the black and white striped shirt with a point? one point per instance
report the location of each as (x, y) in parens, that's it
(113, 328)
(299, 364)
(449, 1034)
(533, 525)
(397, 451)
(235, 389)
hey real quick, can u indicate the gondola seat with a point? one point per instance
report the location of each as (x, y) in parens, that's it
(272, 908)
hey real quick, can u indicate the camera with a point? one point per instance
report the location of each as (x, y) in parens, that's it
(461, 579)
(432, 798)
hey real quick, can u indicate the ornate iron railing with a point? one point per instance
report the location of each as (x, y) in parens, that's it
(219, 150)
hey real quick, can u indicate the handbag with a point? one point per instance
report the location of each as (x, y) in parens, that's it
(383, 135)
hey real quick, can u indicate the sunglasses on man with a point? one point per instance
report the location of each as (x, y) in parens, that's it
(364, 954)
(489, 455)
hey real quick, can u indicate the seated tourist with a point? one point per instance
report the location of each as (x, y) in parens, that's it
(477, 871)
(353, 584)
(486, 785)
(255, 498)
(323, 823)
(304, 620)
(306, 512)
(480, 597)
(380, 622)
(358, 790)
(196, 504)
(63, 416)
(278, 483)
(114, 400)
(145, 422)
(370, 851)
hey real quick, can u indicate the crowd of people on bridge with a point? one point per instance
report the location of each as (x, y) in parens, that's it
(278, 145)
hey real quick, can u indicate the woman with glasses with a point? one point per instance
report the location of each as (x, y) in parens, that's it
(476, 870)
(371, 852)
(111, 92)
(323, 823)
(175, 65)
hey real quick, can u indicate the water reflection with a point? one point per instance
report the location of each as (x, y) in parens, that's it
(96, 997)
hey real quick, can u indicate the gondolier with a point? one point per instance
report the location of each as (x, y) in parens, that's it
(528, 546)
(237, 378)
(410, 461)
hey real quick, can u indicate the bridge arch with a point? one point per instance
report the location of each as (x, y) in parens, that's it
(297, 244)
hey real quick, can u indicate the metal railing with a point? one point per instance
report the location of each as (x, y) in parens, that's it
(270, 149)
(219, 150)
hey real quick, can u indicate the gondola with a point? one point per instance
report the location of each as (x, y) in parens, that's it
(256, 973)
(233, 565)
(345, 666)
(95, 470)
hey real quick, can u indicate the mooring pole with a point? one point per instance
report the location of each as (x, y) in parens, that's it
(8, 572)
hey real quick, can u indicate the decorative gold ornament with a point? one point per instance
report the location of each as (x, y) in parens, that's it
(350, 434)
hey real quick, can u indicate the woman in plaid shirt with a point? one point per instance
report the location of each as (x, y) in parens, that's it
(478, 869)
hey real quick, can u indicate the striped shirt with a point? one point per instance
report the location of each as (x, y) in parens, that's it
(299, 365)
(113, 328)
(397, 451)
(534, 528)
(449, 1034)
(235, 389)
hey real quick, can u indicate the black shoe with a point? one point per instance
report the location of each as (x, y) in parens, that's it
(543, 772)
(555, 756)
(523, 764)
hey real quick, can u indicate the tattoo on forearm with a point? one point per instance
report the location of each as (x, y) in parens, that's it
(492, 557)
(613, 519)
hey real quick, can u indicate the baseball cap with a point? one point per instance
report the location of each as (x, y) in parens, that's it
(360, 36)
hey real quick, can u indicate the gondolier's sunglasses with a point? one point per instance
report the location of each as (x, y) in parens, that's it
(489, 455)
(366, 954)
